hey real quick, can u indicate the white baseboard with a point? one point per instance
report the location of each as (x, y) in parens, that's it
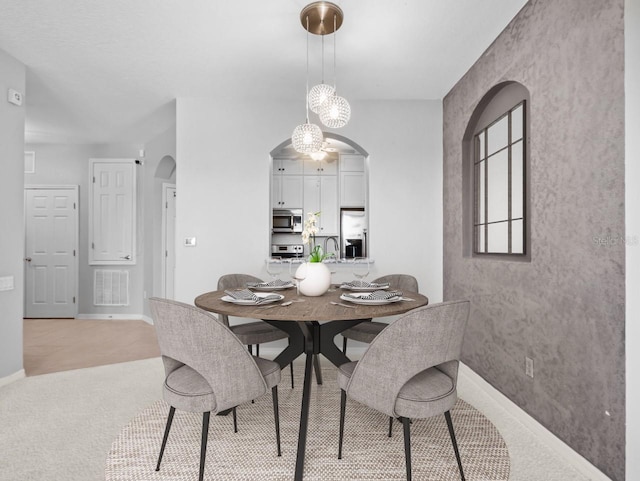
(147, 319)
(545, 436)
(12, 377)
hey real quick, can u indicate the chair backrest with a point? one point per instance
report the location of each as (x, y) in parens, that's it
(231, 281)
(402, 282)
(424, 337)
(188, 335)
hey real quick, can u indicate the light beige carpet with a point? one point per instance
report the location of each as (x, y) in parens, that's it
(250, 454)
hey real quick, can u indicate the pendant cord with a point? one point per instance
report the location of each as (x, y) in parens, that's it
(335, 34)
(307, 95)
(322, 63)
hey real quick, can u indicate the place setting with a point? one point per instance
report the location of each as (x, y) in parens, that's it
(375, 298)
(274, 269)
(367, 293)
(245, 297)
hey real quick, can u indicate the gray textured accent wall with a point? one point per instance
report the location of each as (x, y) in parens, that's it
(564, 308)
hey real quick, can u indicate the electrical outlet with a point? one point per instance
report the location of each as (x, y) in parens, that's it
(528, 366)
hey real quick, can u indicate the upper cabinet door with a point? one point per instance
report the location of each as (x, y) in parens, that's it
(287, 166)
(112, 212)
(321, 167)
(291, 193)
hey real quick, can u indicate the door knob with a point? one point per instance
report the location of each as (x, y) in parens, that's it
(28, 259)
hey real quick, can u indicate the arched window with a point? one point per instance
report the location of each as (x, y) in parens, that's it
(495, 158)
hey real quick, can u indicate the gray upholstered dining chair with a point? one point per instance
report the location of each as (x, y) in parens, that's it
(410, 370)
(207, 368)
(367, 331)
(252, 333)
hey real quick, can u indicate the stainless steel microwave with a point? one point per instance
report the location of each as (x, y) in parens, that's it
(287, 220)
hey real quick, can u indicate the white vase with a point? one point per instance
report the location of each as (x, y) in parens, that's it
(316, 278)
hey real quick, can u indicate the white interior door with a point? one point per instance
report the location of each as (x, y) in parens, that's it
(169, 239)
(51, 238)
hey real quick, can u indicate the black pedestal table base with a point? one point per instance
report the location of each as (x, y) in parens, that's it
(310, 338)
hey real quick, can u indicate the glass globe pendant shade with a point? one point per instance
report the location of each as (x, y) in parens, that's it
(318, 95)
(335, 112)
(307, 138)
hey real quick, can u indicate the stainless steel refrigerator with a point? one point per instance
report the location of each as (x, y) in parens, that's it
(353, 233)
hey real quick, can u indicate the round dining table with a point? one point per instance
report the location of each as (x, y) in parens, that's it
(312, 324)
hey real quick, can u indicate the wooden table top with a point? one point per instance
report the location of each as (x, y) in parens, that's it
(311, 308)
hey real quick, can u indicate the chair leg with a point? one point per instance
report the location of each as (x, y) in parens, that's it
(203, 443)
(276, 416)
(235, 421)
(407, 445)
(344, 345)
(291, 366)
(250, 347)
(258, 350)
(343, 406)
(447, 416)
(390, 425)
(172, 411)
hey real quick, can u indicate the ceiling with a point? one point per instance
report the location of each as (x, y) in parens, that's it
(108, 71)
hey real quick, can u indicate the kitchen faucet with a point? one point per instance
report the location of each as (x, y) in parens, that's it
(336, 244)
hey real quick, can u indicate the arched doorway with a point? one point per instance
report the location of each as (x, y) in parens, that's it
(335, 183)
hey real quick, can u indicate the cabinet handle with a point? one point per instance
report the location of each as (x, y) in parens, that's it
(28, 259)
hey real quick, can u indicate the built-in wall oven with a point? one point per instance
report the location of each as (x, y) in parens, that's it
(287, 221)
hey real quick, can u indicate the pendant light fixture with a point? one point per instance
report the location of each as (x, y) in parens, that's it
(335, 112)
(319, 94)
(321, 18)
(307, 138)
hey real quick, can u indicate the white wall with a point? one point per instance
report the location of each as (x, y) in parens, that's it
(223, 184)
(58, 164)
(12, 75)
(151, 197)
(632, 201)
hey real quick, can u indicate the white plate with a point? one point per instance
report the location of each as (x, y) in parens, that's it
(247, 302)
(271, 288)
(363, 289)
(369, 302)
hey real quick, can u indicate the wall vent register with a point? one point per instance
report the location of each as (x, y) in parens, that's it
(111, 287)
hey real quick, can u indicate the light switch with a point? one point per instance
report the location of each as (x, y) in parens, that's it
(6, 283)
(190, 242)
(14, 97)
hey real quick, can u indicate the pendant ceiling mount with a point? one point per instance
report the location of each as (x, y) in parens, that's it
(324, 18)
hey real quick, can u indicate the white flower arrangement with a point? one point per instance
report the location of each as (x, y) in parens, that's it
(309, 237)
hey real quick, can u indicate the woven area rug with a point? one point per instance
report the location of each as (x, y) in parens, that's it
(250, 454)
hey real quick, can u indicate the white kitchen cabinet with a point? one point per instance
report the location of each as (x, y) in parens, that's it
(351, 163)
(288, 166)
(352, 189)
(321, 195)
(328, 166)
(286, 184)
(286, 191)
